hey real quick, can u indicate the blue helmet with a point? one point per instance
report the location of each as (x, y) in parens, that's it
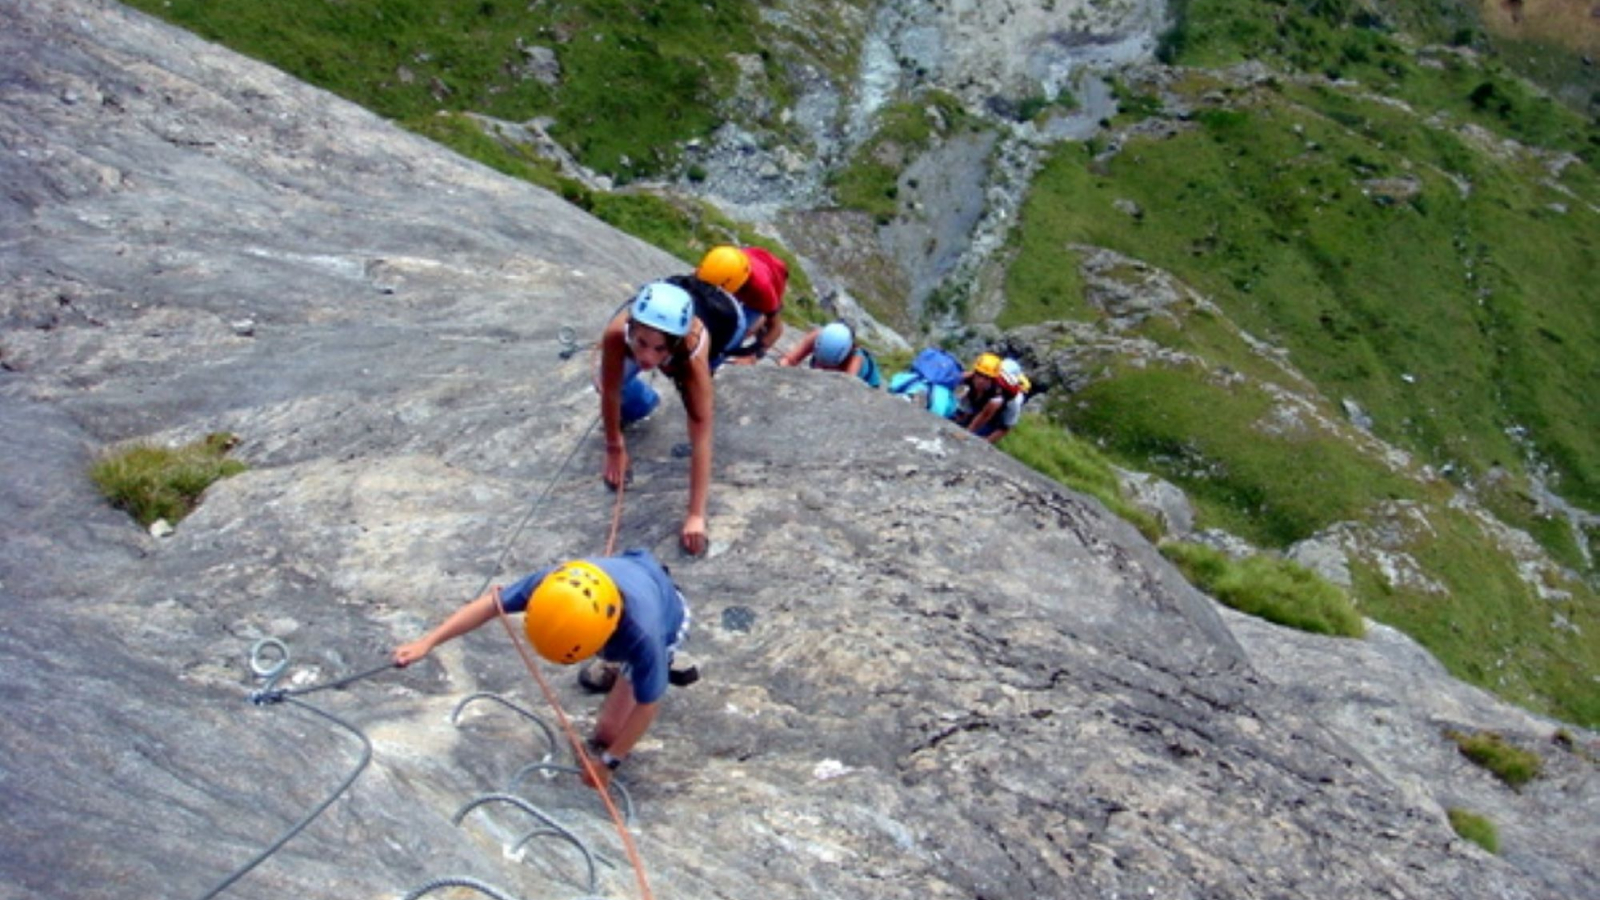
(834, 344)
(665, 307)
(1010, 374)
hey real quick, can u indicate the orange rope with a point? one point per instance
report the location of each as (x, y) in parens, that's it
(616, 517)
(566, 724)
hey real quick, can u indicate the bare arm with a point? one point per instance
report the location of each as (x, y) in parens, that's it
(699, 402)
(770, 332)
(622, 723)
(633, 727)
(988, 412)
(613, 358)
(853, 365)
(469, 617)
(798, 354)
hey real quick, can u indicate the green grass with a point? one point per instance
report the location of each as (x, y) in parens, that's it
(1270, 588)
(1512, 765)
(1457, 314)
(1342, 39)
(461, 133)
(1475, 828)
(1274, 589)
(637, 79)
(688, 228)
(1220, 442)
(1488, 628)
(151, 482)
(685, 228)
(1076, 464)
(1450, 319)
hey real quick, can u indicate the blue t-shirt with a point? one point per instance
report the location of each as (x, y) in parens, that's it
(653, 618)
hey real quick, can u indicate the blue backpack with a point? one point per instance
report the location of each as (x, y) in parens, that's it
(934, 375)
(938, 367)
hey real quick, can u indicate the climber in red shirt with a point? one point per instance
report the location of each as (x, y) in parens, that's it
(758, 280)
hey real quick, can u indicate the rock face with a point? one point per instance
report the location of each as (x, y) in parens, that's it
(927, 671)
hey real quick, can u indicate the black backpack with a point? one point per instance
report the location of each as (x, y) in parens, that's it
(715, 309)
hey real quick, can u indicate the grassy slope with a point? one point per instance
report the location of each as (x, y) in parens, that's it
(1452, 315)
(656, 65)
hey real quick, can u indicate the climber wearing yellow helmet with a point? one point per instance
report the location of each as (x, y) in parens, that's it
(623, 609)
(978, 396)
(758, 280)
(990, 398)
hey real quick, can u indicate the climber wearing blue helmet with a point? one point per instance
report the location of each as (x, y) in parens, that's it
(663, 328)
(833, 347)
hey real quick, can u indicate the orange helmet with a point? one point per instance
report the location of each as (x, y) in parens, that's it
(573, 612)
(726, 267)
(986, 364)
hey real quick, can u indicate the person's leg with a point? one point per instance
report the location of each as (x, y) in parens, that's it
(639, 399)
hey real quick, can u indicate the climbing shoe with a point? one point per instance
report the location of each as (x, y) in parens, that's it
(597, 677)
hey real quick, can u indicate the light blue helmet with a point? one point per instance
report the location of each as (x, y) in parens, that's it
(1010, 372)
(665, 307)
(834, 344)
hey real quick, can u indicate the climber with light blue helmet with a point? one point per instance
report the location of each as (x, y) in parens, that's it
(664, 328)
(833, 348)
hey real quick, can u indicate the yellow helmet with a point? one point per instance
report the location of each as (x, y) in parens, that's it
(726, 267)
(987, 364)
(573, 612)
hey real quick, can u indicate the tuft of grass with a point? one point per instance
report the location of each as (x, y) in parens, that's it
(1054, 452)
(1475, 828)
(1511, 764)
(1270, 588)
(151, 482)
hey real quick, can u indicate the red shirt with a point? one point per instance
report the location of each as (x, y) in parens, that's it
(769, 278)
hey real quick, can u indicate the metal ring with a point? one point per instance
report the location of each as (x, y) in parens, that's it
(261, 666)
